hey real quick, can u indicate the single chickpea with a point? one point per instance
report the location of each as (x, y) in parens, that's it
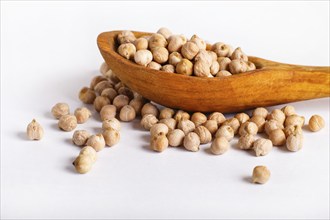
(288, 110)
(96, 141)
(127, 113)
(204, 135)
(223, 73)
(262, 146)
(198, 118)
(34, 130)
(111, 93)
(157, 129)
(126, 91)
(294, 142)
(160, 54)
(233, 123)
(148, 121)
(176, 42)
(277, 137)
(159, 142)
(169, 122)
(220, 145)
(112, 123)
(277, 115)
(202, 69)
(205, 56)
(137, 104)
(87, 95)
(165, 32)
(141, 44)
(111, 136)
(154, 65)
(166, 113)
(184, 67)
(316, 123)
(213, 55)
(95, 80)
(88, 151)
(259, 121)
(175, 137)
(174, 58)
(225, 131)
(294, 120)
(82, 114)
(214, 68)
(181, 115)
(168, 68)
(127, 50)
(83, 164)
(261, 174)
(104, 68)
(272, 125)
(60, 109)
(242, 117)
(239, 55)
(119, 85)
(67, 122)
(101, 101)
(149, 108)
(221, 49)
(120, 101)
(102, 86)
(157, 40)
(108, 112)
(248, 128)
(143, 57)
(292, 130)
(263, 112)
(189, 50)
(245, 142)
(198, 41)
(212, 126)
(191, 142)
(126, 37)
(218, 117)
(80, 137)
(223, 63)
(237, 66)
(250, 66)
(186, 126)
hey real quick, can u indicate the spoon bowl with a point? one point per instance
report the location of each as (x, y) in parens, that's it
(270, 84)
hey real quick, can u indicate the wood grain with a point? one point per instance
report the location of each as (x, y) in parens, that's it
(271, 84)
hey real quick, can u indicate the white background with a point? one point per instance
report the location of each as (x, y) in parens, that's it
(49, 51)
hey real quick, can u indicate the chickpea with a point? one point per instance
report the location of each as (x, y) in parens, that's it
(104, 68)
(102, 86)
(204, 135)
(143, 57)
(137, 104)
(294, 120)
(316, 123)
(174, 58)
(127, 50)
(96, 141)
(214, 68)
(242, 117)
(189, 50)
(159, 142)
(154, 65)
(202, 69)
(186, 126)
(218, 117)
(166, 113)
(148, 121)
(34, 130)
(219, 146)
(111, 136)
(88, 151)
(198, 118)
(261, 112)
(176, 42)
(82, 114)
(184, 67)
(277, 137)
(245, 142)
(169, 122)
(277, 115)
(225, 131)
(272, 125)
(292, 130)
(288, 110)
(205, 56)
(237, 66)
(181, 115)
(87, 95)
(126, 91)
(261, 174)
(248, 128)
(233, 123)
(221, 49)
(141, 44)
(149, 108)
(175, 137)
(67, 122)
(108, 112)
(127, 113)
(120, 101)
(160, 55)
(223, 73)
(198, 41)
(294, 142)
(96, 80)
(259, 121)
(165, 32)
(262, 146)
(60, 109)
(168, 68)
(191, 142)
(112, 123)
(126, 37)
(157, 129)
(212, 126)
(83, 164)
(157, 40)
(224, 63)
(110, 93)
(239, 55)
(101, 101)
(80, 137)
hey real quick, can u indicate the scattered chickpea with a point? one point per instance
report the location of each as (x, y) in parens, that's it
(277, 137)
(184, 67)
(96, 80)
(212, 126)
(137, 104)
(102, 86)
(60, 109)
(198, 118)
(272, 125)
(159, 142)
(261, 174)
(294, 120)
(157, 129)
(104, 68)
(186, 126)
(149, 108)
(245, 142)
(67, 122)
(112, 76)
(112, 123)
(169, 122)
(160, 55)
(111, 136)
(223, 73)
(225, 131)
(126, 91)
(176, 42)
(191, 142)
(242, 117)
(157, 40)
(239, 55)
(111, 93)
(120, 101)
(148, 121)
(263, 112)
(292, 130)
(316, 123)
(277, 115)
(141, 44)
(294, 142)
(143, 57)
(101, 101)
(108, 112)
(80, 137)
(198, 41)
(181, 115)
(175, 137)
(96, 141)
(166, 113)
(127, 50)
(88, 151)
(223, 63)
(234, 123)
(259, 121)
(204, 134)
(87, 95)
(248, 128)
(34, 130)
(189, 50)
(82, 114)
(288, 110)
(127, 113)
(154, 65)
(220, 145)
(168, 68)
(165, 32)
(83, 164)
(174, 58)
(218, 117)
(262, 146)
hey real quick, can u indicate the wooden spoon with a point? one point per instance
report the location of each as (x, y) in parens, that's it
(271, 84)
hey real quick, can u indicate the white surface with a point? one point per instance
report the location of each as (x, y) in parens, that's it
(48, 52)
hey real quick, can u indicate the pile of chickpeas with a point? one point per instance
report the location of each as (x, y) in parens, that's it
(176, 54)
